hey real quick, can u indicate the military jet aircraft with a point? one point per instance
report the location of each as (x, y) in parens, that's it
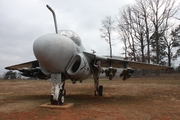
(61, 56)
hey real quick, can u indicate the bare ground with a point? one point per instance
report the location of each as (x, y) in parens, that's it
(137, 98)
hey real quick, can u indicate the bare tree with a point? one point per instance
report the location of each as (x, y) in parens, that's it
(142, 7)
(143, 25)
(160, 13)
(125, 25)
(106, 30)
(124, 38)
(172, 42)
(138, 31)
(131, 23)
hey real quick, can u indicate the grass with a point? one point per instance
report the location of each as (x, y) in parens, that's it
(135, 98)
(28, 97)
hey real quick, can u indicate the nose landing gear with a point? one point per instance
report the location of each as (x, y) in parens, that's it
(57, 91)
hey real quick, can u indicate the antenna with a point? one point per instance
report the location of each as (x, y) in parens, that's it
(54, 17)
(93, 51)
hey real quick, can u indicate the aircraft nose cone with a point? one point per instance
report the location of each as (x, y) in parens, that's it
(44, 47)
(53, 52)
(41, 47)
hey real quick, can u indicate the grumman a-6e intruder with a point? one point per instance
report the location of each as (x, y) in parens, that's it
(61, 56)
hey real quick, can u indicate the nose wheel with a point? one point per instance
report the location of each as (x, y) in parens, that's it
(61, 98)
(53, 102)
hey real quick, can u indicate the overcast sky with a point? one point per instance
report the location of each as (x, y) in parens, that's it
(21, 22)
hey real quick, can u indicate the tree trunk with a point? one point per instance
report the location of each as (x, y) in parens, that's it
(110, 45)
(169, 56)
(157, 44)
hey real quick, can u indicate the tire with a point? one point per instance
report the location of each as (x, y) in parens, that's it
(61, 99)
(53, 102)
(100, 91)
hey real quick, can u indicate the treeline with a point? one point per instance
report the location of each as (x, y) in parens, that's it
(10, 75)
(148, 30)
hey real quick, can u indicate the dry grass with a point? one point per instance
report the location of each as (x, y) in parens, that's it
(136, 98)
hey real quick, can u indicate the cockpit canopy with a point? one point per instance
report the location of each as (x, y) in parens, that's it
(72, 35)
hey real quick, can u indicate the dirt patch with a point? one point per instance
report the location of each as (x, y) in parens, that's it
(135, 98)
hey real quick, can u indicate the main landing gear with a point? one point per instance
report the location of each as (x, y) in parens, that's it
(57, 91)
(98, 88)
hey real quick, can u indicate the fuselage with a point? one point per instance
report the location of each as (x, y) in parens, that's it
(62, 53)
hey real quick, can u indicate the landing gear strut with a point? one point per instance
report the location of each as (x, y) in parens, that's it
(98, 88)
(57, 91)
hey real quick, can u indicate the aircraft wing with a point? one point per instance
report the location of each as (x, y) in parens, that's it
(119, 63)
(29, 65)
(28, 69)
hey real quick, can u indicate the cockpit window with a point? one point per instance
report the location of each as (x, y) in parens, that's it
(67, 33)
(72, 35)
